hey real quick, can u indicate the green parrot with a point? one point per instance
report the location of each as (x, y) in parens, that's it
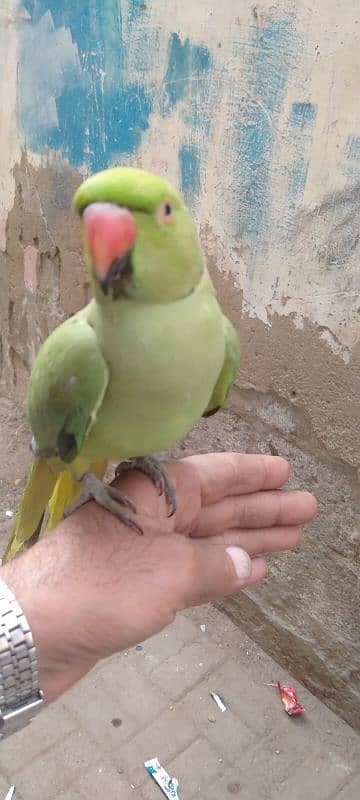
(130, 373)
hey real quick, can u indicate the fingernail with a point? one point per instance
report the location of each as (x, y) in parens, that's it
(241, 561)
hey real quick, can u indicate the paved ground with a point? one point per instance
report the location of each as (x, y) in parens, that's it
(155, 702)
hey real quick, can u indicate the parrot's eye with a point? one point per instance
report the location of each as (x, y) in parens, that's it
(165, 212)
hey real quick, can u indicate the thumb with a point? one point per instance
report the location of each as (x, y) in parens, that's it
(221, 571)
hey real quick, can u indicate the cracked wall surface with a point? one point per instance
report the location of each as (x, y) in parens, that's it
(253, 114)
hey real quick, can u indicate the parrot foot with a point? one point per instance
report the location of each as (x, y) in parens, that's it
(109, 498)
(157, 473)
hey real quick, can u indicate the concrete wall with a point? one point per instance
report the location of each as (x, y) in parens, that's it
(252, 109)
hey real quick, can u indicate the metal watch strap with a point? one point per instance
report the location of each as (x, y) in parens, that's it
(20, 696)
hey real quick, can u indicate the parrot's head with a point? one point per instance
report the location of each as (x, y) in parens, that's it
(140, 241)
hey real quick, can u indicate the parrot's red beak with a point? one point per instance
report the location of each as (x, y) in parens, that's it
(110, 233)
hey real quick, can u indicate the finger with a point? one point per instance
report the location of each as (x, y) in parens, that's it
(261, 542)
(221, 571)
(224, 474)
(257, 510)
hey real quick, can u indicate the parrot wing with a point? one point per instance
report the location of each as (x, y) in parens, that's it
(228, 371)
(66, 389)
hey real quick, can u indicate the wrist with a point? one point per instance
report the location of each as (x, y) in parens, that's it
(42, 581)
(59, 666)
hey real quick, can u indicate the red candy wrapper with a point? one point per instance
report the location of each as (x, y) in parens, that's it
(289, 700)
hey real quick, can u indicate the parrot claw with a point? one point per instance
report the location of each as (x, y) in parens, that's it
(157, 473)
(109, 498)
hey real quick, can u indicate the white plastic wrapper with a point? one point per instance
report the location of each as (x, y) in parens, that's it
(168, 785)
(218, 700)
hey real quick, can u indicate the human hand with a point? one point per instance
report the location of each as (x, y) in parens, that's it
(95, 587)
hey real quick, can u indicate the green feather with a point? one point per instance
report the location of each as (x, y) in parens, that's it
(66, 388)
(126, 186)
(229, 369)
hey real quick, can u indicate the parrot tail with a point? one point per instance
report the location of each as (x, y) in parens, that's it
(38, 490)
(45, 491)
(66, 492)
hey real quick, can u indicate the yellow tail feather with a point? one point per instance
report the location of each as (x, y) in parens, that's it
(45, 489)
(66, 493)
(38, 490)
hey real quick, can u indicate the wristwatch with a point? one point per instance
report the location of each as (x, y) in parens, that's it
(21, 699)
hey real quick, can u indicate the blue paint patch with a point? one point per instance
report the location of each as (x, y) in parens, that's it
(303, 114)
(351, 152)
(136, 9)
(75, 60)
(186, 66)
(297, 181)
(100, 116)
(267, 63)
(352, 148)
(190, 170)
(186, 81)
(299, 134)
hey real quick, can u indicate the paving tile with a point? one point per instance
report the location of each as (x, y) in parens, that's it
(318, 778)
(225, 730)
(167, 736)
(105, 780)
(351, 790)
(5, 784)
(53, 771)
(164, 645)
(94, 707)
(68, 794)
(114, 702)
(195, 768)
(180, 672)
(49, 727)
(232, 785)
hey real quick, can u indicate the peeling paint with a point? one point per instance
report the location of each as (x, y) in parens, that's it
(187, 63)
(136, 9)
(3, 222)
(93, 112)
(42, 80)
(302, 120)
(352, 147)
(10, 10)
(267, 62)
(30, 268)
(189, 157)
